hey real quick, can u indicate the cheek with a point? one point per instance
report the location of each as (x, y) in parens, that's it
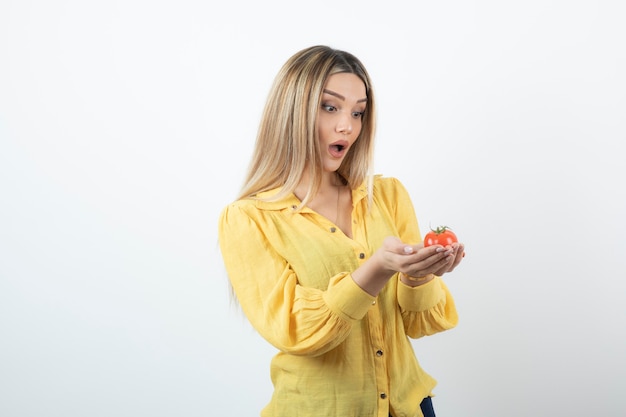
(324, 130)
(322, 121)
(358, 126)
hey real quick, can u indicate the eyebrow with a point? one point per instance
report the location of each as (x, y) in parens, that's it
(339, 96)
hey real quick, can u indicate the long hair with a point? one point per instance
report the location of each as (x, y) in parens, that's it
(287, 136)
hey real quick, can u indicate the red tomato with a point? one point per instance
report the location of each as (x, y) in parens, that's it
(440, 236)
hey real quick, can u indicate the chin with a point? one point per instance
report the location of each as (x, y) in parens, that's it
(332, 167)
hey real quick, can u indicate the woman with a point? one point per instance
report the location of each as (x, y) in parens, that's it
(325, 259)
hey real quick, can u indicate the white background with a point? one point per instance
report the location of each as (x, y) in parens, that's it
(125, 127)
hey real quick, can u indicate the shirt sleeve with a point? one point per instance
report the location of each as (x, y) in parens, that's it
(295, 319)
(426, 309)
(429, 308)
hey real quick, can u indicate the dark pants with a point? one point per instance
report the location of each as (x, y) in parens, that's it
(427, 408)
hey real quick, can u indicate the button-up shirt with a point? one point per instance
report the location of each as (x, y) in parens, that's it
(340, 351)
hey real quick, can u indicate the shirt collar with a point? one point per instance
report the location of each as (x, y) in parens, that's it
(291, 202)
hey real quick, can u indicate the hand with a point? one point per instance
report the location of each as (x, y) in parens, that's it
(436, 259)
(417, 261)
(458, 253)
(414, 260)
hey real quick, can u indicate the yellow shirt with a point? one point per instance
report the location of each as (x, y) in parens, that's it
(341, 352)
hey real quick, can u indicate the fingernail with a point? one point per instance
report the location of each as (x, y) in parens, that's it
(408, 249)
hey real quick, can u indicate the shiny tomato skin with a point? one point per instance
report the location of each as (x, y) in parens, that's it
(441, 236)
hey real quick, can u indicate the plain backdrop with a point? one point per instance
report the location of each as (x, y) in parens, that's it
(126, 126)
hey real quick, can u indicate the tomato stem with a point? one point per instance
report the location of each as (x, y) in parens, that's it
(440, 229)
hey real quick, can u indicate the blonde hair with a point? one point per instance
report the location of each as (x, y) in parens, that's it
(287, 137)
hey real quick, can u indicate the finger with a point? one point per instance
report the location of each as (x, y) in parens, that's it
(439, 261)
(409, 249)
(423, 261)
(395, 245)
(459, 255)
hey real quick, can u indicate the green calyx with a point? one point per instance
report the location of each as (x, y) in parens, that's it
(439, 230)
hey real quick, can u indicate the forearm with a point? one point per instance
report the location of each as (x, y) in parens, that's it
(372, 275)
(395, 256)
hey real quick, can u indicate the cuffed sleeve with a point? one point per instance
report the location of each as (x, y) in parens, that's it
(346, 299)
(427, 309)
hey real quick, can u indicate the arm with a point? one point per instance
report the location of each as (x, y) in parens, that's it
(426, 304)
(295, 319)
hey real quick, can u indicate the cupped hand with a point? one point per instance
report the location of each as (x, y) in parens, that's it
(457, 255)
(418, 261)
(413, 260)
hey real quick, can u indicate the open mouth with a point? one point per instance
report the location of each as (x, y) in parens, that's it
(338, 149)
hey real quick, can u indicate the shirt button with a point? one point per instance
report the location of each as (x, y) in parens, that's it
(374, 302)
(379, 353)
(383, 395)
(361, 255)
(333, 229)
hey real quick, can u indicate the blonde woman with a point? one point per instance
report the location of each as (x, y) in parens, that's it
(326, 260)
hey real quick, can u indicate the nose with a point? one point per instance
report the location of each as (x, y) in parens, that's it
(344, 124)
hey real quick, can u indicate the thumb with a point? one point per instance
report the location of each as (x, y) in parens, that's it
(395, 245)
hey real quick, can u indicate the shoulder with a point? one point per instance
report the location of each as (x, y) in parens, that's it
(390, 192)
(388, 186)
(240, 218)
(234, 213)
(257, 209)
(263, 201)
(239, 209)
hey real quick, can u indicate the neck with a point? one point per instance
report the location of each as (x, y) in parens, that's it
(330, 182)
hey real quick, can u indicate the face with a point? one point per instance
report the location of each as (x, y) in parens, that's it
(340, 117)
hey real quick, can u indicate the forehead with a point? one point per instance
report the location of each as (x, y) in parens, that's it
(348, 85)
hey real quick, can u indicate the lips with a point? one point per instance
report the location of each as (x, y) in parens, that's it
(338, 149)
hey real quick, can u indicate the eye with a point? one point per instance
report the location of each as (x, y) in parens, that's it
(329, 108)
(358, 114)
